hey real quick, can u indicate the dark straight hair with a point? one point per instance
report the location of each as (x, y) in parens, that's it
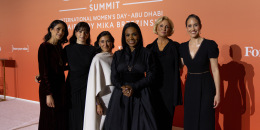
(78, 27)
(140, 42)
(193, 16)
(104, 33)
(52, 25)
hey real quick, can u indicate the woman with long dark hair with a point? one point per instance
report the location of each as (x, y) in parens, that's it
(132, 73)
(79, 54)
(52, 86)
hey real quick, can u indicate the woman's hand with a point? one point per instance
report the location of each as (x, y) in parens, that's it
(216, 100)
(216, 77)
(127, 90)
(50, 101)
(99, 110)
(37, 79)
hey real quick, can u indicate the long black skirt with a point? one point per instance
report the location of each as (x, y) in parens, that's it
(53, 118)
(130, 113)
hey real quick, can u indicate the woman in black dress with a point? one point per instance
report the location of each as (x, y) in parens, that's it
(132, 73)
(202, 92)
(79, 54)
(166, 92)
(52, 85)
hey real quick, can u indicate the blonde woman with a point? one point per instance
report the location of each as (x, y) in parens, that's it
(167, 88)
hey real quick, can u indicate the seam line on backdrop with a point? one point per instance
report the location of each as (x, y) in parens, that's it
(72, 9)
(142, 2)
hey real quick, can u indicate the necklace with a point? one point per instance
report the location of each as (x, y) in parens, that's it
(131, 60)
(129, 68)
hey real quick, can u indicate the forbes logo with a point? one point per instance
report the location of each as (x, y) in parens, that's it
(250, 51)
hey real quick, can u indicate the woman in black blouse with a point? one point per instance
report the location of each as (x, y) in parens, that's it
(79, 54)
(132, 73)
(202, 91)
(52, 85)
(167, 88)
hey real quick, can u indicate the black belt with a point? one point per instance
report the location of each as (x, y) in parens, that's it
(199, 72)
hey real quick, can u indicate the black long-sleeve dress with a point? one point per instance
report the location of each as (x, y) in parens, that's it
(52, 83)
(199, 113)
(135, 112)
(79, 59)
(166, 92)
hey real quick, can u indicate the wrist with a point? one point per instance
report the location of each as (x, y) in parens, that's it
(97, 103)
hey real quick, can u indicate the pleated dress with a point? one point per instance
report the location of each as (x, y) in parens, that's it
(199, 113)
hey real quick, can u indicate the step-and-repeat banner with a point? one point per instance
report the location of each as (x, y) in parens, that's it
(233, 24)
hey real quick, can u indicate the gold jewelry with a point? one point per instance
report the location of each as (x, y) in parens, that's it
(129, 68)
